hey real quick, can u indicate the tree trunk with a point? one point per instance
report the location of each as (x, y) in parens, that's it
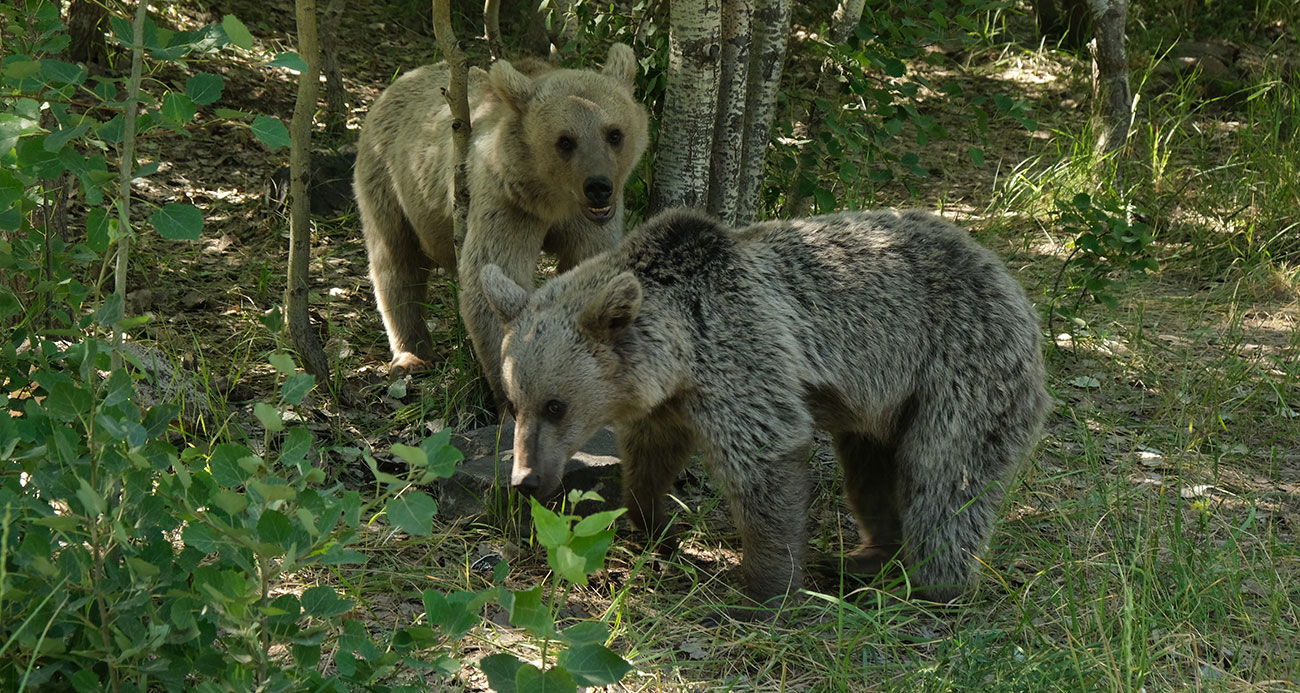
(336, 107)
(846, 18)
(457, 95)
(729, 125)
(492, 28)
(766, 61)
(1112, 100)
(87, 21)
(690, 105)
(1063, 21)
(126, 169)
(297, 317)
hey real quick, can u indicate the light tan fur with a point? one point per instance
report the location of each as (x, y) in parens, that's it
(545, 143)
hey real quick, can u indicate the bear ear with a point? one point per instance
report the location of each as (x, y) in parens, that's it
(613, 309)
(512, 86)
(621, 65)
(506, 298)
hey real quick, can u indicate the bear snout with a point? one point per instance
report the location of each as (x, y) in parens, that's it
(529, 484)
(598, 189)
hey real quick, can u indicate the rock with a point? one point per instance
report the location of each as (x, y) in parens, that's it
(482, 480)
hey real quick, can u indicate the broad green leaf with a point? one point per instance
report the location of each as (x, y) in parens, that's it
(237, 32)
(530, 679)
(586, 633)
(529, 612)
(552, 530)
(569, 565)
(593, 665)
(178, 221)
(454, 614)
(60, 72)
(597, 522)
(57, 139)
(225, 467)
(323, 602)
(67, 401)
(283, 363)
(976, 155)
(110, 312)
(442, 455)
(273, 527)
(296, 387)
(593, 549)
(269, 416)
(289, 60)
(501, 669)
(91, 500)
(297, 444)
(21, 69)
(178, 107)
(232, 502)
(412, 512)
(204, 88)
(271, 131)
(413, 456)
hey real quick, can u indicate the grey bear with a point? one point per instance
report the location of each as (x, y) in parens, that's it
(894, 331)
(550, 152)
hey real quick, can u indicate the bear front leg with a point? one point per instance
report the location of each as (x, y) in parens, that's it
(513, 242)
(653, 452)
(399, 272)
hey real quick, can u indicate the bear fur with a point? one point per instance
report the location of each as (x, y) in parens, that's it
(894, 331)
(549, 154)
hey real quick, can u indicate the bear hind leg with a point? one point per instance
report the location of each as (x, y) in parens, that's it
(870, 483)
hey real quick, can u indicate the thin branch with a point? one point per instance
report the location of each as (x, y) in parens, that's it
(125, 169)
(457, 95)
(492, 27)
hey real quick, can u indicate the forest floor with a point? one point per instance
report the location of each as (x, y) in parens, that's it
(1153, 540)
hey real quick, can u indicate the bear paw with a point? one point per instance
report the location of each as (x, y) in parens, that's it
(406, 362)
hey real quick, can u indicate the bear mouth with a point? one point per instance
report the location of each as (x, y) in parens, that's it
(600, 215)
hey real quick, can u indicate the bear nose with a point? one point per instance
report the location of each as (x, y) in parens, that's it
(598, 189)
(529, 484)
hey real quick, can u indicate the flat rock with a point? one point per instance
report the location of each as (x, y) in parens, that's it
(482, 480)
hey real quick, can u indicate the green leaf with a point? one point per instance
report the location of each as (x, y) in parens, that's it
(412, 512)
(976, 155)
(67, 402)
(1085, 381)
(569, 565)
(413, 456)
(593, 549)
(442, 455)
(91, 500)
(21, 69)
(237, 32)
(586, 633)
(204, 88)
(552, 530)
(60, 72)
(178, 221)
(296, 446)
(323, 602)
(825, 200)
(273, 527)
(501, 669)
(269, 416)
(110, 312)
(57, 139)
(296, 387)
(530, 679)
(178, 107)
(528, 612)
(289, 60)
(454, 614)
(271, 131)
(597, 522)
(283, 363)
(593, 665)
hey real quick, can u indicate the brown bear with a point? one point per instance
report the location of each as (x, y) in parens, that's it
(894, 331)
(549, 154)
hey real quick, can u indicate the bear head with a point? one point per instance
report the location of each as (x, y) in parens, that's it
(572, 136)
(563, 375)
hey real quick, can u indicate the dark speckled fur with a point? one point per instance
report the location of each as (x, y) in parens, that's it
(894, 331)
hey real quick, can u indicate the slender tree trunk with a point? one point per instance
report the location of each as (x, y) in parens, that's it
(1112, 100)
(126, 169)
(297, 316)
(690, 105)
(729, 125)
(457, 95)
(336, 107)
(846, 18)
(766, 63)
(492, 28)
(1063, 21)
(86, 23)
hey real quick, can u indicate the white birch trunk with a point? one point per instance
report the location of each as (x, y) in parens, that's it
(729, 126)
(771, 28)
(690, 105)
(845, 19)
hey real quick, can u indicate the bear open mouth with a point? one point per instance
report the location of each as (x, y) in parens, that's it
(600, 214)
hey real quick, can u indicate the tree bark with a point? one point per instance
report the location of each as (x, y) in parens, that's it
(457, 95)
(690, 104)
(492, 28)
(336, 107)
(767, 60)
(845, 20)
(86, 23)
(1112, 100)
(1063, 21)
(297, 317)
(729, 125)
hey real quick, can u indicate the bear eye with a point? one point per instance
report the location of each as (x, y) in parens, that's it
(554, 409)
(615, 137)
(566, 144)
